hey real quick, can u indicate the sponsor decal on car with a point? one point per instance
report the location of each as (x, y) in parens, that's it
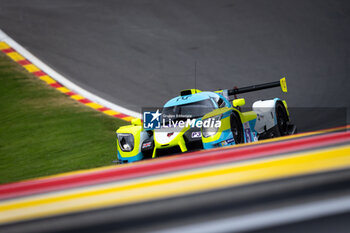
(196, 134)
(146, 145)
(227, 142)
(247, 132)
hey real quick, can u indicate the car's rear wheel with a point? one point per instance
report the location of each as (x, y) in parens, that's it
(282, 119)
(237, 128)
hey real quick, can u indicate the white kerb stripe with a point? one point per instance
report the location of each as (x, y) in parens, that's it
(64, 81)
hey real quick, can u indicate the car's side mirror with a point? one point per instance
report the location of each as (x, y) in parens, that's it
(136, 121)
(238, 102)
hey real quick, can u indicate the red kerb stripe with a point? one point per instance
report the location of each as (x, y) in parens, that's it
(85, 101)
(120, 115)
(39, 73)
(180, 162)
(103, 109)
(24, 62)
(56, 85)
(70, 93)
(9, 50)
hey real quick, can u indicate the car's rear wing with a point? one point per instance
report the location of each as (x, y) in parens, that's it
(281, 83)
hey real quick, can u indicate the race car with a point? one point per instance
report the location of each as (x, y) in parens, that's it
(203, 120)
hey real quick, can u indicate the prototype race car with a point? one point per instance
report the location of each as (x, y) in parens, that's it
(203, 120)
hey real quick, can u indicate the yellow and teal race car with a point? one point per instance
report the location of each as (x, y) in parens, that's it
(202, 120)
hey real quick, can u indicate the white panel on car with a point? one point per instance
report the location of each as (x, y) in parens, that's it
(265, 110)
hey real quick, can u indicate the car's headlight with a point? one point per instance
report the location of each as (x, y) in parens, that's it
(126, 141)
(211, 126)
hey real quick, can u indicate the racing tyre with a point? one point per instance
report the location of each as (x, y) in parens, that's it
(282, 119)
(237, 129)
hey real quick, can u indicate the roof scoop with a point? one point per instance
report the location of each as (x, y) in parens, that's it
(189, 92)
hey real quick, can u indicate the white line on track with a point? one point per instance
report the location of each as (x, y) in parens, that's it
(64, 81)
(268, 218)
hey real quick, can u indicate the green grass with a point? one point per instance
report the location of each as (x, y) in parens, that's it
(43, 132)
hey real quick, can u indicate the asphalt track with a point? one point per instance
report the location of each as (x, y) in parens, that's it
(141, 53)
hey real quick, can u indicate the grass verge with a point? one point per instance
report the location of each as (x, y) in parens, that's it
(44, 132)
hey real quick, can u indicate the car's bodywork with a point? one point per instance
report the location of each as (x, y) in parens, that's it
(268, 118)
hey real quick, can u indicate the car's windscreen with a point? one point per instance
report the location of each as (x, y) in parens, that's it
(188, 111)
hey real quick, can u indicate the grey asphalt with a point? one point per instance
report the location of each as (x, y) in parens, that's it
(140, 53)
